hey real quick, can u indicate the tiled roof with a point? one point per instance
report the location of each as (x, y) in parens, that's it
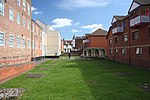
(99, 32)
(142, 2)
(119, 17)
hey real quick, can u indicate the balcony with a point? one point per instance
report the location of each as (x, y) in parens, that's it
(117, 30)
(139, 19)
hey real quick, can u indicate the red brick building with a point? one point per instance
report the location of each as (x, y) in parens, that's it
(36, 37)
(77, 43)
(129, 36)
(95, 43)
(15, 37)
(15, 31)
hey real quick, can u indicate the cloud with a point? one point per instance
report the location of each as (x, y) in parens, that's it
(35, 11)
(75, 30)
(61, 22)
(33, 8)
(78, 4)
(76, 23)
(93, 27)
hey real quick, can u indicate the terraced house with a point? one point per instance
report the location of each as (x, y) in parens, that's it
(129, 36)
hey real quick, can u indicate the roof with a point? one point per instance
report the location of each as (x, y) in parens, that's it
(99, 32)
(119, 17)
(142, 2)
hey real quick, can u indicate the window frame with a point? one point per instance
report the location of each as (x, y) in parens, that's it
(11, 14)
(2, 9)
(133, 35)
(125, 39)
(18, 42)
(2, 38)
(18, 19)
(11, 42)
(139, 52)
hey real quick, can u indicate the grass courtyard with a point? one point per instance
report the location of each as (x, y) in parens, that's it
(82, 80)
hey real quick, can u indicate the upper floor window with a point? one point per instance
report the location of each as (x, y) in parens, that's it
(138, 51)
(18, 41)
(125, 38)
(28, 24)
(110, 41)
(11, 14)
(37, 30)
(18, 18)
(116, 39)
(24, 22)
(24, 5)
(28, 41)
(2, 40)
(2, 8)
(29, 9)
(23, 43)
(18, 3)
(135, 35)
(116, 51)
(32, 27)
(11, 42)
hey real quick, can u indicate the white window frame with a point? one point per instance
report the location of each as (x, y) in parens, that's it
(28, 41)
(23, 42)
(123, 50)
(24, 5)
(29, 24)
(2, 38)
(18, 41)
(18, 3)
(18, 18)
(116, 50)
(2, 8)
(138, 51)
(29, 9)
(11, 40)
(24, 22)
(11, 14)
(125, 38)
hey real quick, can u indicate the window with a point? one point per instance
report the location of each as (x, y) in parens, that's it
(110, 51)
(28, 41)
(11, 42)
(123, 50)
(24, 5)
(116, 39)
(24, 22)
(28, 24)
(23, 43)
(11, 14)
(110, 41)
(125, 38)
(135, 35)
(138, 51)
(32, 44)
(37, 30)
(18, 3)
(18, 18)
(29, 10)
(18, 41)
(32, 27)
(116, 51)
(2, 8)
(2, 41)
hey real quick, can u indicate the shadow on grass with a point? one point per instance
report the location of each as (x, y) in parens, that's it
(105, 85)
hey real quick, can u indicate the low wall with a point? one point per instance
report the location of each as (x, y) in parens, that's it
(15, 70)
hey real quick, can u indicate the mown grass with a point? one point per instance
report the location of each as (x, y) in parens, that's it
(82, 80)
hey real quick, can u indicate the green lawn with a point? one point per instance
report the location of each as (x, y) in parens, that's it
(82, 80)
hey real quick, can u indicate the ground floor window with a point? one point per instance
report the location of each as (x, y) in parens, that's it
(2, 42)
(11, 42)
(123, 50)
(110, 51)
(138, 51)
(116, 51)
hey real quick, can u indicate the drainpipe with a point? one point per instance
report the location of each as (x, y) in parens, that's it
(129, 42)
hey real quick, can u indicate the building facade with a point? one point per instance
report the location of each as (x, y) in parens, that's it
(53, 40)
(36, 37)
(95, 44)
(129, 36)
(77, 43)
(15, 32)
(68, 46)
